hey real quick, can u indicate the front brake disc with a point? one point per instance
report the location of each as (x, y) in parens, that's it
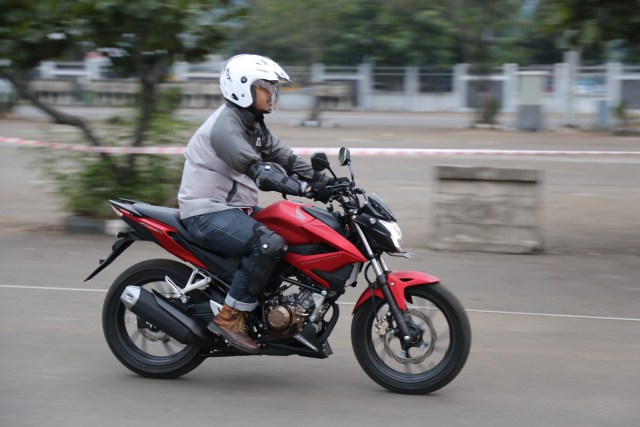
(426, 348)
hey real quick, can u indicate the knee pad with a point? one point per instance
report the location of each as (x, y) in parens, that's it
(270, 245)
(267, 252)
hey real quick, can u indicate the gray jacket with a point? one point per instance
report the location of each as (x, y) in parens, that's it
(218, 155)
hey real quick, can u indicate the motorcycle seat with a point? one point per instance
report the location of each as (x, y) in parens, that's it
(171, 216)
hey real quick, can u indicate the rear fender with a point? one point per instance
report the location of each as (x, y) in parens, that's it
(125, 239)
(398, 282)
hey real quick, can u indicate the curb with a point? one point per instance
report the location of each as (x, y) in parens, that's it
(626, 131)
(314, 124)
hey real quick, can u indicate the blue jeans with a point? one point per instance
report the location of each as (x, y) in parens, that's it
(228, 232)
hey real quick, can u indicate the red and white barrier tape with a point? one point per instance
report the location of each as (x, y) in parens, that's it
(91, 149)
(459, 152)
(305, 151)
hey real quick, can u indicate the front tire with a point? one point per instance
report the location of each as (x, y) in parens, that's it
(432, 363)
(139, 346)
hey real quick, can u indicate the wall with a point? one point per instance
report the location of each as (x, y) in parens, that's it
(567, 89)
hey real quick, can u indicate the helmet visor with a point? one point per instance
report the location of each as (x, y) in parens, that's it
(273, 87)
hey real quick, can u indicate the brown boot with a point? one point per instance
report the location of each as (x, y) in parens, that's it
(230, 323)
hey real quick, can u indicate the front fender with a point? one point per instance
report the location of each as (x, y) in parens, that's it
(398, 282)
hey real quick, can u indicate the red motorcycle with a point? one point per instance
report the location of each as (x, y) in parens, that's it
(409, 333)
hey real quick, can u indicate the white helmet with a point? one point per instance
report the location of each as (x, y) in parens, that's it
(242, 71)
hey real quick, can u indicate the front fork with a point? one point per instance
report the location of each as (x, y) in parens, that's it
(381, 271)
(406, 336)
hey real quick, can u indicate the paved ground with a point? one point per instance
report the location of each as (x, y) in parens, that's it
(556, 336)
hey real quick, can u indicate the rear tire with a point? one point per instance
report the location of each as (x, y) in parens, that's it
(138, 345)
(423, 369)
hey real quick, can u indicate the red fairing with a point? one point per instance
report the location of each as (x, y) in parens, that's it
(161, 232)
(398, 282)
(297, 227)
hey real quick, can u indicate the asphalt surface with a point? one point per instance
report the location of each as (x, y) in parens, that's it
(556, 336)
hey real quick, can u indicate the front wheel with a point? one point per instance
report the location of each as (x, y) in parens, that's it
(433, 360)
(138, 345)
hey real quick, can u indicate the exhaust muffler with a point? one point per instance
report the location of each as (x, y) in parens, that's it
(158, 311)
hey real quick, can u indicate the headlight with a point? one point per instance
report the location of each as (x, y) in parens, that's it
(394, 231)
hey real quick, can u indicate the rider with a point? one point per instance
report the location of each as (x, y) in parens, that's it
(228, 159)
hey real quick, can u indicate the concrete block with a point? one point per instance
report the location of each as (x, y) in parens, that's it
(486, 209)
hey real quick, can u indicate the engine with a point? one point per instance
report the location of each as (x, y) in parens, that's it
(287, 314)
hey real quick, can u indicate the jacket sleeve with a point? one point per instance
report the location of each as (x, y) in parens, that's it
(229, 141)
(277, 151)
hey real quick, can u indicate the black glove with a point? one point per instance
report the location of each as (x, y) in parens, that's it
(335, 181)
(324, 179)
(320, 192)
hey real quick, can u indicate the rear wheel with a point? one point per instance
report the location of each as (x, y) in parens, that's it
(434, 315)
(138, 345)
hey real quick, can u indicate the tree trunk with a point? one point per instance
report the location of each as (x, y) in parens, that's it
(150, 77)
(58, 116)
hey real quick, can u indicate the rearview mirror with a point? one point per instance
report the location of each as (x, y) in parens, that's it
(344, 156)
(319, 162)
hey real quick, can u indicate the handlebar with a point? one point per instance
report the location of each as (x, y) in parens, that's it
(345, 194)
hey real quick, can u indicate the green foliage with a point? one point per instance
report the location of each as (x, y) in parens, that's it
(621, 112)
(488, 110)
(86, 181)
(410, 32)
(32, 31)
(407, 32)
(485, 30)
(590, 23)
(143, 37)
(435, 33)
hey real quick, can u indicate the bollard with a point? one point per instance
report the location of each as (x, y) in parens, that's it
(486, 209)
(603, 115)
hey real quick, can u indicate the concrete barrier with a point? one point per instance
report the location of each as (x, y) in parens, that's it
(487, 210)
(195, 94)
(334, 96)
(119, 93)
(112, 92)
(55, 92)
(198, 94)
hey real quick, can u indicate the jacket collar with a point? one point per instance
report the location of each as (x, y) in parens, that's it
(249, 118)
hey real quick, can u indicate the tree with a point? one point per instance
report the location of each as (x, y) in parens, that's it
(591, 23)
(294, 32)
(404, 32)
(423, 33)
(142, 38)
(481, 26)
(30, 32)
(148, 35)
(588, 24)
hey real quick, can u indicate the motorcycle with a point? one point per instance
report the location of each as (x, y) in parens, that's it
(409, 333)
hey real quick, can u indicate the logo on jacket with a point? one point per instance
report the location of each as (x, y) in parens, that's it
(258, 142)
